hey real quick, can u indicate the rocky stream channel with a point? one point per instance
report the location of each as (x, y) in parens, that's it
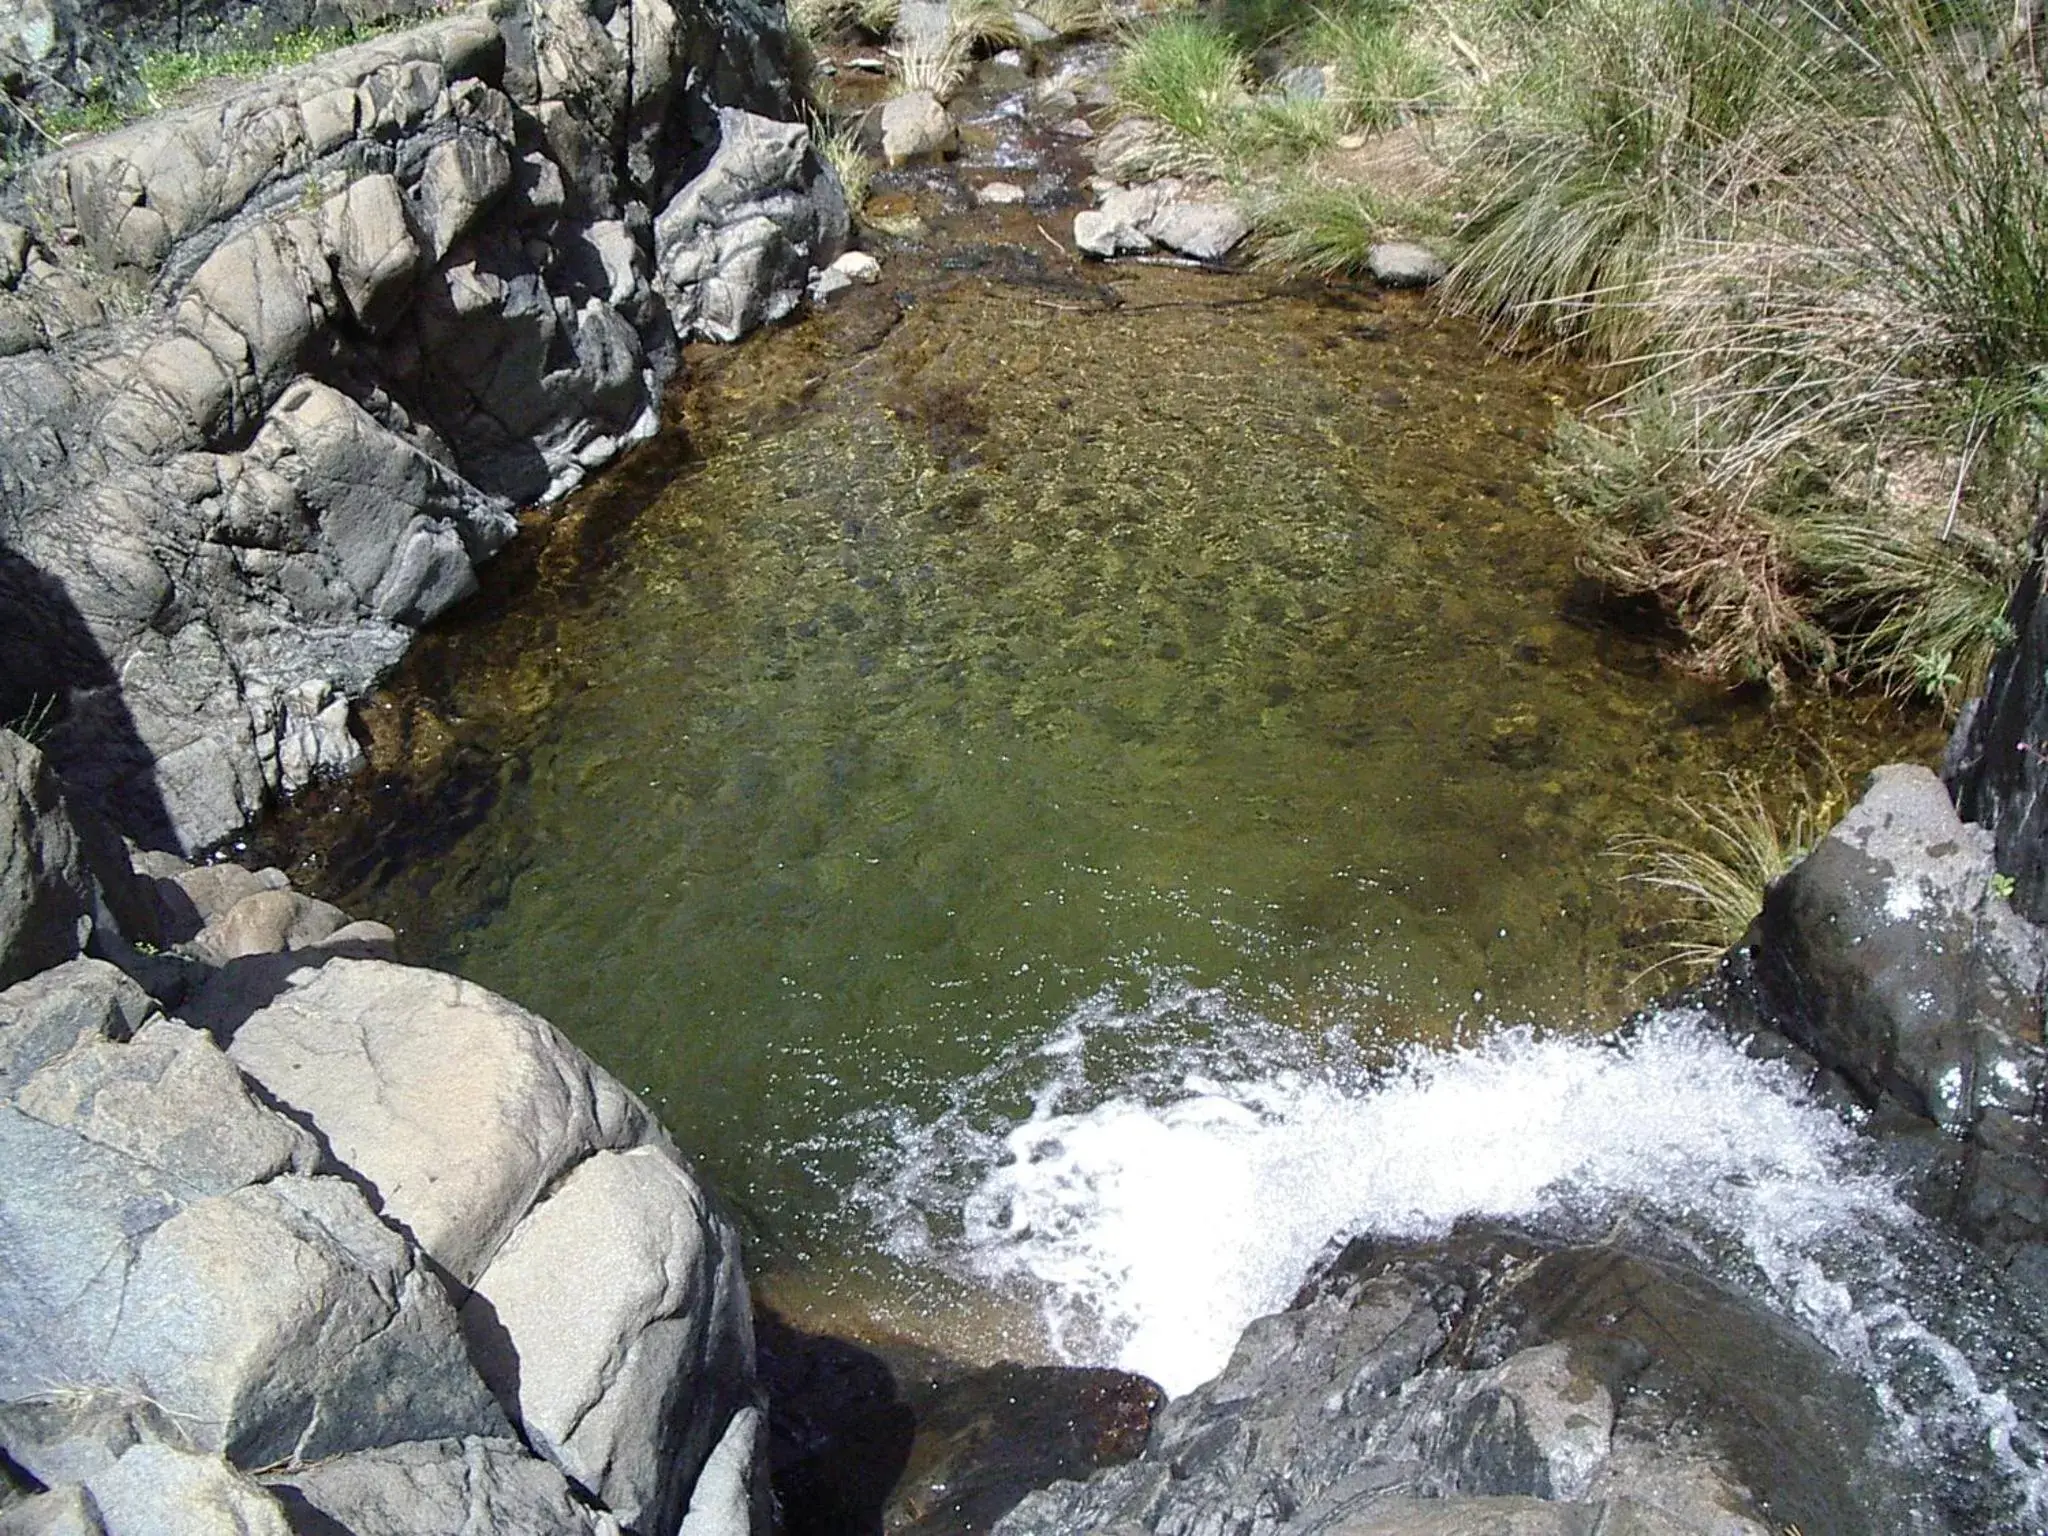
(1079, 794)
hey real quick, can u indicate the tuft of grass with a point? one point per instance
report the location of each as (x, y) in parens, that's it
(812, 22)
(986, 24)
(1720, 560)
(936, 64)
(839, 146)
(1187, 73)
(1072, 18)
(1322, 228)
(1719, 866)
(37, 718)
(877, 18)
(1924, 614)
(1384, 76)
(1291, 127)
(1634, 127)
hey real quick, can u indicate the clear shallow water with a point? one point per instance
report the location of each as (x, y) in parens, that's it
(998, 662)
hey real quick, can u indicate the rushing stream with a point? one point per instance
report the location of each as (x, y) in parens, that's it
(1071, 796)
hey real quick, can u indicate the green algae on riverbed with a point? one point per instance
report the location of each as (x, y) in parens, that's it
(1043, 644)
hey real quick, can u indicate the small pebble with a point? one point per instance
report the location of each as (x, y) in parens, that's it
(998, 193)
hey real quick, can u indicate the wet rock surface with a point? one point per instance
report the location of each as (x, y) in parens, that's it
(1498, 1382)
(1893, 963)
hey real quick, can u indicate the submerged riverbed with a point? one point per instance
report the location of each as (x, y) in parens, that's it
(1016, 650)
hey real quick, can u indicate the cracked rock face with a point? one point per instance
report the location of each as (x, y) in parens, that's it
(276, 368)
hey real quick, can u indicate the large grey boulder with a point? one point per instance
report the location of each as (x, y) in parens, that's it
(734, 248)
(45, 894)
(632, 1401)
(279, 364)
(439, 1488)
(1891, 955)
(155, 1488)
(169, 1099)
(916, 124)
(280, 1323)
(47, 1015)
(1404, 264)
(1496, 1383)
(455, 1106)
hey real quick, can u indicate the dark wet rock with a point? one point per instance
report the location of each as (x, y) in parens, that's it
(1404, 264)
(1497, 1382)
(1997, 763)
(894, 1437)
(989, 1437)
(1891, 955)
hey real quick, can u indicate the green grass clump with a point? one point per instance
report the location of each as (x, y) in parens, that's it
(839, 146)
(1634, 129)
(1384, 75)
(1322, 228)
(1187, 73)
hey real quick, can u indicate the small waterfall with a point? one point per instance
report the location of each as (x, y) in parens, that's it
(1181, 1165)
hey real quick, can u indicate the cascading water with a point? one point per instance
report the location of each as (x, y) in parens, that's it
(1152, 1220)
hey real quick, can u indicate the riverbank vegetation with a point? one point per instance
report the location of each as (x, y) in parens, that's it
(164, 77)
(1804, 247)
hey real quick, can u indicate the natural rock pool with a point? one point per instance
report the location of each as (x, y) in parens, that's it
(1038, 684)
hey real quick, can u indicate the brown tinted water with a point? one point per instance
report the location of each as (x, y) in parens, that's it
(1013, 639)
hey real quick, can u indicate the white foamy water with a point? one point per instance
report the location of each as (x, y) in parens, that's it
(1156, 1215)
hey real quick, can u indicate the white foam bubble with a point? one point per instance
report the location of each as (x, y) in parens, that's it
(1158, 1230)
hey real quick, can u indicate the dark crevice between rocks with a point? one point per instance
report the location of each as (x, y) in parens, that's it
(868, 1439)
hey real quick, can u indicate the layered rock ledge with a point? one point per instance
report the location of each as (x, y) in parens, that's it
(278, 367)
(299, 1238)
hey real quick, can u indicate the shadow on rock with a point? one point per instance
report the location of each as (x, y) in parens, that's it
(51, 655)
(893, 1438)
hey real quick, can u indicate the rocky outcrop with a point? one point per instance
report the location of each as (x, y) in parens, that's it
(280, 366)
(305, 1235)
(1891, 964)
(1499, 1383)
(1164, 213)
